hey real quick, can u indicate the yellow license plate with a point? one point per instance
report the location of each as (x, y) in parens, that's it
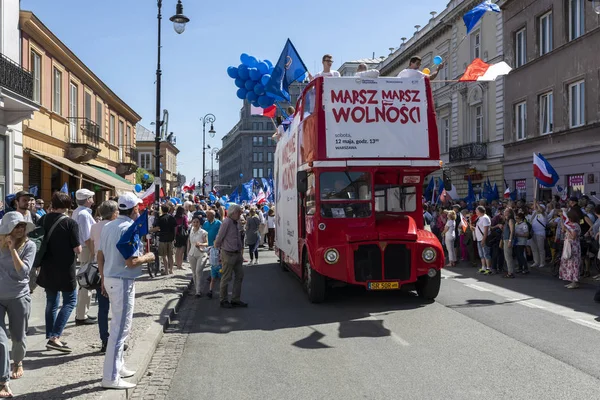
(383, 285)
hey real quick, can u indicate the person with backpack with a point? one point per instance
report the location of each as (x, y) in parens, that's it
(182, 233)
(522, 234)
(538, 224)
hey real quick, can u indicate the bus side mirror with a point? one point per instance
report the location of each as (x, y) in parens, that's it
(302, 181)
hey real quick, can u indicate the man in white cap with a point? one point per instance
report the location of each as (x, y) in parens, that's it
(118, 282)
(83, 216)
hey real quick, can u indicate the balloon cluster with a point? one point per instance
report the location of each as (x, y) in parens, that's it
(437, 60)
(251, 77)
(175, 200)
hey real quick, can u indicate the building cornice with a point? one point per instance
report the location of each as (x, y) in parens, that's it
(35, 28)
(152, 143)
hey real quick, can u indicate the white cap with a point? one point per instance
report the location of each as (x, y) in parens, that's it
(84, 194)
(11, 220)
(128, 200)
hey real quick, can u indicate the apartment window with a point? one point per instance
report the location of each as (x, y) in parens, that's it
(269, 172)
(111, 130)
(121, 133)
(520, 48)
(577, 104)
(576, 18)
(521, 120)
(99, 115)
(270, 141)
(128, 136)
(57, 91)
(73, 110)
(545, 33)
(36, 71)
(88, 105)
(260, 173)
(269, 157)
(546, 113)
(257, 157)
(476, 44)
(477, 123)
(445, 125)
(257, 141)
(145, 161)
(255, 173)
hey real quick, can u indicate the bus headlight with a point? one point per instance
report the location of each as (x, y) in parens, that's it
(429, 255)
(332, 256)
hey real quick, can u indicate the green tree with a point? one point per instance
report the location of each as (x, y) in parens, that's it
(139, 178)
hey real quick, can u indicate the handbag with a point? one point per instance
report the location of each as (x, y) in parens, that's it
(566, 254)
(214, 256)
(88, 276)
(44, 245)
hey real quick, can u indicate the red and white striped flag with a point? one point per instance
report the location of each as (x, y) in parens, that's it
(265, 112)
(481, 71)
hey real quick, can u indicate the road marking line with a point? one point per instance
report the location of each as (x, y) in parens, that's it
(477, 287)
(531, 305)
(589, 324)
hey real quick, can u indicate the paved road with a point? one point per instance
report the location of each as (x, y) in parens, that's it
(484, 338)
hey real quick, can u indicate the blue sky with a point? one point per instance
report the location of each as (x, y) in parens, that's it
(117, 40)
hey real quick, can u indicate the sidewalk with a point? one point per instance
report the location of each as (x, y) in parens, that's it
(54, 375)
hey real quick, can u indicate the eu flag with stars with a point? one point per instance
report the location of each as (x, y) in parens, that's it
(288, 69)
(129, 243)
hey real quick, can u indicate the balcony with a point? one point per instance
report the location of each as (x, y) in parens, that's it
(128, 156)
(15, 78)
(468, 152)
(84, 139)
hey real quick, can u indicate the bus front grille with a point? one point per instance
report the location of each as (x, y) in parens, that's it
(367, 263)
(397, 262)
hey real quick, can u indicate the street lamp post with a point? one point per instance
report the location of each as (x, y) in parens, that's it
(212, 168)
(179, 20)
(208, 118)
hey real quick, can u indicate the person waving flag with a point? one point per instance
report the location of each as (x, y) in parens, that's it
(543, 171)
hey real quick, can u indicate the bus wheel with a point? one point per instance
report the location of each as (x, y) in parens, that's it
(428, 288)
(281, 262)
(314, 283)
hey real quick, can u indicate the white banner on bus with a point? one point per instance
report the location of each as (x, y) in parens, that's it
(369, 118)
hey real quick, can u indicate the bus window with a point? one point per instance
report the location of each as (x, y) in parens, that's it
(309, 102)
(309, 199)
(345, 194)
(396, 199)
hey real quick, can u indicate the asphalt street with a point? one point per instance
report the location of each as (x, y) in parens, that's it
(484, 337)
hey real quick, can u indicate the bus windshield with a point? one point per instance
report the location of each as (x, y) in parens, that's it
(345, 194)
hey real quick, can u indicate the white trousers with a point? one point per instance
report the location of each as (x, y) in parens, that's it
(197, 264)
(450, 247)
(121, 293)
(538, 249)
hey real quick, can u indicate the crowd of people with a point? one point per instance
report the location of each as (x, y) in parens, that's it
(510, 237)
(43, 246)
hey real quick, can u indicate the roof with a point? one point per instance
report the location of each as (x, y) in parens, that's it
(364, 61)
(143, 134)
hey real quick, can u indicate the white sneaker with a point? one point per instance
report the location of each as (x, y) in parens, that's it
(118, 385)
(255, 262)
(126, 373)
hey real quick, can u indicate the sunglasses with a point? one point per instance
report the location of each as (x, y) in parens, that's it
(329, 61)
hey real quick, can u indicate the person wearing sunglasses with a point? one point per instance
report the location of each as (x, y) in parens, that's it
(327, 71)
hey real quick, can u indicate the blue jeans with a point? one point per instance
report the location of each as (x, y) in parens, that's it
(103, 308)
(55, 324)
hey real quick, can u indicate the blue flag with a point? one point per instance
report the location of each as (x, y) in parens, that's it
(470, 193)
(129, 243)
(65, 188)
(472, 17)
(288, 69)
(430, 188)
(234, 197)
(34, 190)
(247, 191)
(495, 193)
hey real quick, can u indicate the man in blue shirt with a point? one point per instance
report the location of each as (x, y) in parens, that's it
(211, 226)
(118, 283)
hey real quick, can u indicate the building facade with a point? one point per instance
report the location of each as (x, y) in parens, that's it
(469, 114)
(146, 147)
(248, 150)
(16, 100)
(83, 134)
(551, 97)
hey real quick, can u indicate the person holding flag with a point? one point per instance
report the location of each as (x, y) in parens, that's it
(121, 266)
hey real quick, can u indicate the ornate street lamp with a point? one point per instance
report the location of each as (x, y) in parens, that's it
(179, 20)
(208, 118)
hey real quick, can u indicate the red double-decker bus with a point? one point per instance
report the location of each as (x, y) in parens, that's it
(349, 180)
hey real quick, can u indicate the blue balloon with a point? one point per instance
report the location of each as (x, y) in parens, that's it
(437, 60)
(232, 72)
(252, 62)
(271, 70)
(146, 177)
(227, 205)
(254, 73)
(265, 79)
(221, 201)
(241, 175)
(259, 89)
(251, 96)
(263, 67)
(138, 187)
(239, 82)
(244, 58)
(255, 103)
(266, 208)
(241, 93)
(249, 85)
(265, 101)
(269, 63)
(243, 72)
(212, 197)
(225, 197)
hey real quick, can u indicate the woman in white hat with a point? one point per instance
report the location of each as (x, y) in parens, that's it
(17, 254)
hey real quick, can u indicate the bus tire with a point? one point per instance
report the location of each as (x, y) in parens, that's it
(428, 288)
(314, 282)
(282, 262)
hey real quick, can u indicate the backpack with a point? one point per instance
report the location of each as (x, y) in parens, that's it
(88, 276)
(181, 232)
(529, 230)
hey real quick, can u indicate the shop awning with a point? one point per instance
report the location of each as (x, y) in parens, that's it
(99, 178)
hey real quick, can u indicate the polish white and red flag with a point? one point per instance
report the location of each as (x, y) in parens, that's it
(482, 71)
(260, 196)
(265, 112)
(507, 193)
(191, 187)
(149, 195)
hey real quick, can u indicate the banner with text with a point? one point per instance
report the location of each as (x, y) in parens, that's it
(369, 118)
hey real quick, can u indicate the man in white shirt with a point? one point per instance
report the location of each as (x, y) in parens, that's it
(83, 216)
(414, 65)
(327, 71)
(481, 229)
(364, 72)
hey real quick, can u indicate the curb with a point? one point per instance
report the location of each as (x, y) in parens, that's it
(146, 346)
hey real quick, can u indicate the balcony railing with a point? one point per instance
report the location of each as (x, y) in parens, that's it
(84, 131)
(468, 152)
(15, 78)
